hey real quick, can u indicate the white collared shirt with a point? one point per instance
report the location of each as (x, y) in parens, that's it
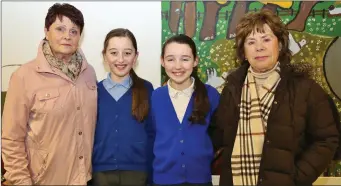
(180, 98)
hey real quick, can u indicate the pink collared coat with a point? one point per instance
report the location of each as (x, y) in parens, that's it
(48, 125)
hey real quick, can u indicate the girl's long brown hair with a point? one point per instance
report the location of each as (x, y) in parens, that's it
(140, 103)
(201, 102)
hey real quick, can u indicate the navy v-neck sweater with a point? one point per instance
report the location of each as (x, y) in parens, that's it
(121, 142)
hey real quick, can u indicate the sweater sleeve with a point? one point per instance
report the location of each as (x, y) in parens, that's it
(150, 129)
(323, 134)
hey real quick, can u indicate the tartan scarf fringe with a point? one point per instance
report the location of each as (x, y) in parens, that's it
(254, 111)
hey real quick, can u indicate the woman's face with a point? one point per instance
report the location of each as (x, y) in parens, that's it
(63, 37)
(262, 50)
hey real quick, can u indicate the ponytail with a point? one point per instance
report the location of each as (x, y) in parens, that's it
(201, 103)
(140, 103)
(166, 78)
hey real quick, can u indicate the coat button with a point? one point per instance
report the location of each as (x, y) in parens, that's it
(275, 102)
(268, 141)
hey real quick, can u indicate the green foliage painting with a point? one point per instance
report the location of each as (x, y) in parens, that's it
(314, 28)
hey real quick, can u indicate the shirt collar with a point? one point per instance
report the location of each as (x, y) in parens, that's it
(125, 83)
(187, 92)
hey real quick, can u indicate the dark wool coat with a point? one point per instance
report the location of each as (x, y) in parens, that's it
(301, 137)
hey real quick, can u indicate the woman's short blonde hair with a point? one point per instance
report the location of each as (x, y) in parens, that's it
(254, 21)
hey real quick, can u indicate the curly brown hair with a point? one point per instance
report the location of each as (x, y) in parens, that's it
(254, 22)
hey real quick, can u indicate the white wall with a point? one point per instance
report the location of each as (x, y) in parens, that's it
(23, 29)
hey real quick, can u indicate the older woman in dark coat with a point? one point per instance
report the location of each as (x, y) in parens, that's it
(274, 124)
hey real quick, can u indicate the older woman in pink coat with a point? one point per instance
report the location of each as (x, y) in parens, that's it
(50, 109)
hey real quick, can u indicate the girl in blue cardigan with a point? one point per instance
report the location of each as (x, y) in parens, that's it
(122, 137)
(181, 112)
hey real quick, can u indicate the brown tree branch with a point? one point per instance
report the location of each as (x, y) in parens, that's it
(208, 29)
(298, 23)
(174, 16)
(190, 23)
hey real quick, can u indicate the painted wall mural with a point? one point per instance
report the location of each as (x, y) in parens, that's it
(314, 26)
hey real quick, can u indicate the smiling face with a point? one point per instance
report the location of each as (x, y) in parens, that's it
(262, 50)
(121, 56)
(63, 37)
(179, 61)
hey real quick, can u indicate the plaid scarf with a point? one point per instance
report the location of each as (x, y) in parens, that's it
(70, 69)
(254, 111)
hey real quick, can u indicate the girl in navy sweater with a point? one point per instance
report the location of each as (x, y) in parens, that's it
(122, 137)
(181, 111)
